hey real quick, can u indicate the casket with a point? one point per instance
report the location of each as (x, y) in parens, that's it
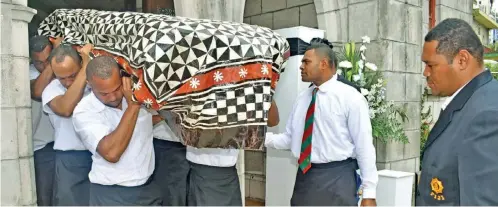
(218, 77)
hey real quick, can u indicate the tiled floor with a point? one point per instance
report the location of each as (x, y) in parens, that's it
(252, 202)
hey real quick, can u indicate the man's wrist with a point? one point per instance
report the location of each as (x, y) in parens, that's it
(368, 194)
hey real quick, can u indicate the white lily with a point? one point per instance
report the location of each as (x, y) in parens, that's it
(339, 72)
(361, 64)
(365, 39)
(363, 56)
(371, 66)
(356, 77)
(345, 64)
(363, 48)
(364, 92)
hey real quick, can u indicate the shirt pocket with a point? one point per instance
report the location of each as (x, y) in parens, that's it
(331, 112)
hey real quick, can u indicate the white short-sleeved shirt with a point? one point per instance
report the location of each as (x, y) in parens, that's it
(65, 136)
(43, 131)
(93, 121)
(216, 157)
(164, 130)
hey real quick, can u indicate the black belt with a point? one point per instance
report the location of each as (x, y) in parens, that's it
(334, 163)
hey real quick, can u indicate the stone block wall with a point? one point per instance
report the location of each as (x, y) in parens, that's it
(395, 28)
(278, 14)
(461, 9)
(18, 184)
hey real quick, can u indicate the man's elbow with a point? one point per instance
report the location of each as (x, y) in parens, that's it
(111, 157)
(65, 113)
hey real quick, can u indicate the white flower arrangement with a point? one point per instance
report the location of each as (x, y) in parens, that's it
(384, 115)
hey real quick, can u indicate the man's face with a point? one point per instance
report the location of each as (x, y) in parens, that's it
(66, 70)
(439, 73)
(310, 70)
(108, 91)
(40, 59)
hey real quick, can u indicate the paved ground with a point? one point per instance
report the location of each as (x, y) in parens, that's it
(253, 202)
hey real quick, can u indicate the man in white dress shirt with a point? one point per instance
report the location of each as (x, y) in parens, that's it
(329, 132)
(172, 167)
(118, 132)
(43, 132)
(72, 160)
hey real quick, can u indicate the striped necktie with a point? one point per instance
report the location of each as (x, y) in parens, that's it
(305, 156)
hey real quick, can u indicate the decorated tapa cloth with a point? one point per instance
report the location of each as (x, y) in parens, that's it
(217, 76)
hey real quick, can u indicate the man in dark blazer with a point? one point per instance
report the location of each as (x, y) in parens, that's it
(460, 158)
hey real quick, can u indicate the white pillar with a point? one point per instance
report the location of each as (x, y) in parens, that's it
(225, 10)
(395, 188)
(281, 167)
(18, 183)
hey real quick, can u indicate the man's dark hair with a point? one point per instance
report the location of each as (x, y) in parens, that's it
(454, 35)
(63, 51)
(38, 43)
(324, 48)
(101, 67)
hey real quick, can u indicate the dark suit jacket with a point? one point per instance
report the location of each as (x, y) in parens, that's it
(460, 158)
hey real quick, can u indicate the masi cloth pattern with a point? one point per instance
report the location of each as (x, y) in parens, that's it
(217, 76)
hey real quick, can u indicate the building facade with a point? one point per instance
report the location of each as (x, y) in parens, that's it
(396, 27)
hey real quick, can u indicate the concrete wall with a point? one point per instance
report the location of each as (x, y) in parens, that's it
(395, 27)
(278, 14)
(18, 180)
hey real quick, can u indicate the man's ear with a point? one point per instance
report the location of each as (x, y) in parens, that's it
(324, 63)
(462, 59)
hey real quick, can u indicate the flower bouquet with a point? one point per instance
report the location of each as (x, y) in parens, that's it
(386, 118)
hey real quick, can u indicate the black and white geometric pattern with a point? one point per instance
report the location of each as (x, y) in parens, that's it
(231, 106)
(170, 49)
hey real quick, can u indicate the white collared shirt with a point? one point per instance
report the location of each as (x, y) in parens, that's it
(93, 121)
(448, 100)
(43, 131)
(216, 157)
(65, 136)
(341, 130)
(166, 129)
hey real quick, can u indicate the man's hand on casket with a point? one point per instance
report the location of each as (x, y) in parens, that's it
(57, 41)
(128, 92)
(85, 53)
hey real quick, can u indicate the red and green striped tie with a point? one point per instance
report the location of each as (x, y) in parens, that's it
(305, 157)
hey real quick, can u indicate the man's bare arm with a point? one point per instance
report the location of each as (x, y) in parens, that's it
(39, 84)
(112, 146)
(64, 105)
(273, 117)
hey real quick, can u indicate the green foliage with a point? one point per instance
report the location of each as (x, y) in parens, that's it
(386, 118)
(493, 68)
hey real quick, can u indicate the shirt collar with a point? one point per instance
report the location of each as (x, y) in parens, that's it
(326, 85)
(448, 100)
